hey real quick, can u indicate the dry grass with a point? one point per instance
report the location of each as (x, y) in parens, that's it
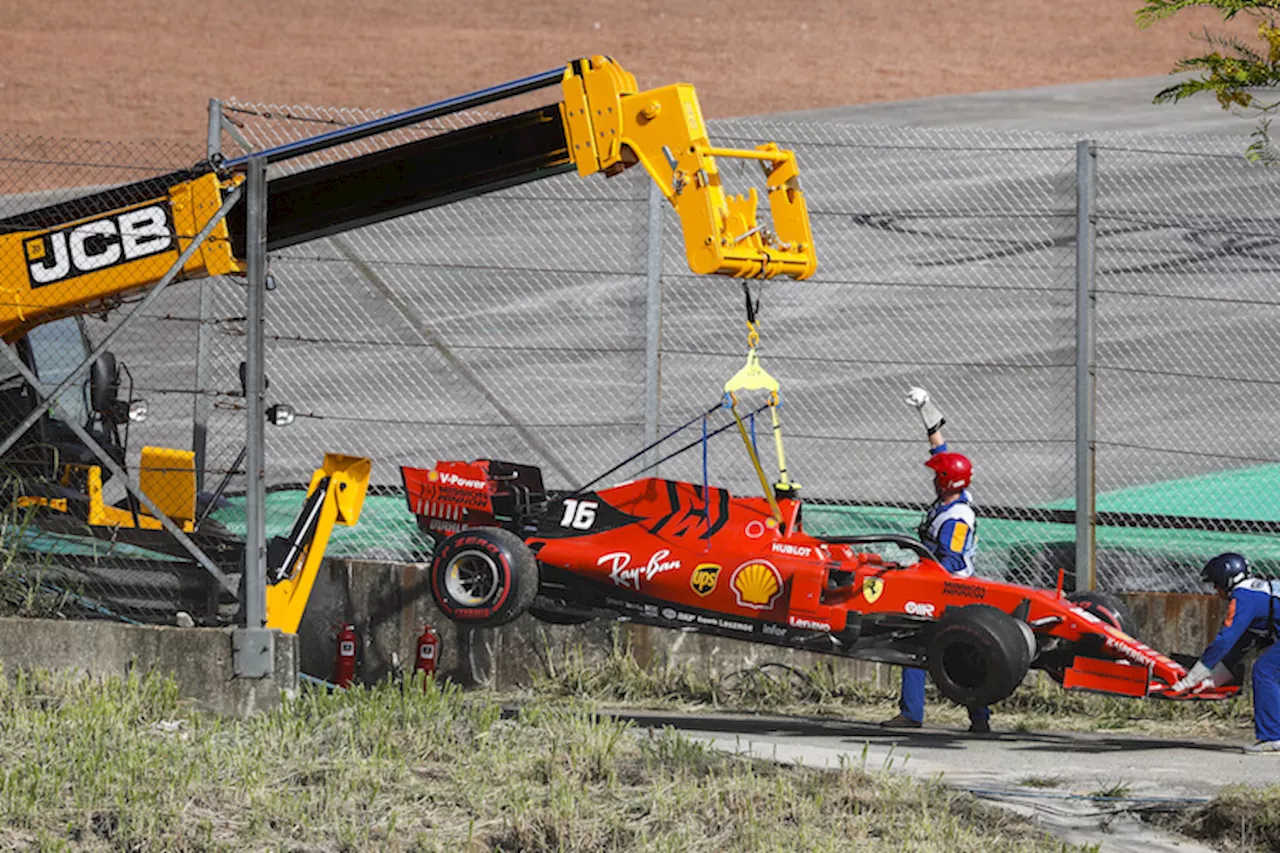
(124, 766)
(1238, 819)
(23, 591)
(615, 678)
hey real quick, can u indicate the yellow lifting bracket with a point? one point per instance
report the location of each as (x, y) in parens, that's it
(335, 496)
(753, 377)
(611, 125)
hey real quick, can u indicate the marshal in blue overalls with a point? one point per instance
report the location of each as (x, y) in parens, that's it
(1251, 622)
(949, 531)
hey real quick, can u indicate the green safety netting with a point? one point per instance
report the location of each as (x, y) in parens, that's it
(1027, 551)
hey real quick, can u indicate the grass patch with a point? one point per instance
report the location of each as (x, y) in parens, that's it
(821, 689)
(1113, 791)
(124, 765)
(23, 591)
(1240, 819)
(1041, 782)
(616, 677)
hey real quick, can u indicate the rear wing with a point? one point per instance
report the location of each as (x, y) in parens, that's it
(455, 496)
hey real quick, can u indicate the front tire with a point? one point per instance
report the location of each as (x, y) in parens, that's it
(978, 655)
(484, 577)
(1108, 608)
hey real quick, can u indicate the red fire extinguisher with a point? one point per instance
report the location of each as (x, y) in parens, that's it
(344, 665)
(428, 653)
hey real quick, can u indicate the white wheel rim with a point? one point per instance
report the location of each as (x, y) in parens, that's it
(471, 578)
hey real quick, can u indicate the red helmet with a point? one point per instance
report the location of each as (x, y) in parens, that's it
(952, 471)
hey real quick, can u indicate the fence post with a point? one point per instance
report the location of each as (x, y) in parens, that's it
(653, 324)
(201, 405)
(252, 646)
(1086, 367)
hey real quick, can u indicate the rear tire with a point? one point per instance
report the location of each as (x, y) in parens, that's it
(1108, 608)
(484, 577)
(978, 655)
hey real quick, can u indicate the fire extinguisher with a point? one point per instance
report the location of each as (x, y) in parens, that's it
(428, 653)
(344, 665)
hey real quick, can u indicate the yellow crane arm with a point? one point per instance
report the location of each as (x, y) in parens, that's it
(88, 254)
(612, 125)
(88, 264)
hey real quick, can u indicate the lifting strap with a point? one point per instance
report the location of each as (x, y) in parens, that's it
(753, 377)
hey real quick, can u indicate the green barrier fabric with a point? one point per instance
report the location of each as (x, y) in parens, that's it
(387, 530)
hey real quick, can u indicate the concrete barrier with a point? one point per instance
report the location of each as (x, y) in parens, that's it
(199, 659)
(1176, 621)
(390, 602)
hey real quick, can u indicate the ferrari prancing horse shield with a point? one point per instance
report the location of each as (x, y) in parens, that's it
(871, 589)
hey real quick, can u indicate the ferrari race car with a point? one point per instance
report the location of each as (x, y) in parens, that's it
(694, 558)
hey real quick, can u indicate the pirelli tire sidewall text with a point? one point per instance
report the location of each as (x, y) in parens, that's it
(977, 655)
(516, 576)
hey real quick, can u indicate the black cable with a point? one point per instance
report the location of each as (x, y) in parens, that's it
(285, 115)
(436, 265)
(1235, 158)
(808, 143)
(751, 309)
(1189, 225)
(649, 447)
(694, 444)
(1224, 300)
(960, 285)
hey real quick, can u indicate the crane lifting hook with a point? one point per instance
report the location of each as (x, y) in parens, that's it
(753, 377)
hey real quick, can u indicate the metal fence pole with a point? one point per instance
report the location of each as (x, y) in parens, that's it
(202, 406)
(653, 324)
(253, 646)
(213, 144)
(1086, 366)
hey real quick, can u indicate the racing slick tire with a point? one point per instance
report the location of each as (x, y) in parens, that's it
(484, 577)
(977, 655)
(1108, 608)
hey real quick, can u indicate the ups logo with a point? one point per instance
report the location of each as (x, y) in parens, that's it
(117, 238)
(704, 579)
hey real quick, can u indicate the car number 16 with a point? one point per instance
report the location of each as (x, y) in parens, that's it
(579, 515)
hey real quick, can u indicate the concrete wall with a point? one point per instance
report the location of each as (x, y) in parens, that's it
(390, 602)
(1176, 621)
(200, 659)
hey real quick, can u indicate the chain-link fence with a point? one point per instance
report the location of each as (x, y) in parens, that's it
(556, 324)
(79, 220)
(1186, 355)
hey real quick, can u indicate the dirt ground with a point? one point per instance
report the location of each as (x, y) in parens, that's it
(134, 70)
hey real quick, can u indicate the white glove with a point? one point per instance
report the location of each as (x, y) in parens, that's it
(1195, 677)
(929, 413)
(1221, 675)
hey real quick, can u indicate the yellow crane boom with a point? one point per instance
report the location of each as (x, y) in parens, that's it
(87, 255)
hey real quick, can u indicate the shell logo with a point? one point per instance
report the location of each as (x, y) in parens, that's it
(756, 585)
(433, 475)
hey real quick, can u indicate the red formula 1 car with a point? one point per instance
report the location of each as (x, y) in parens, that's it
(676, 555)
